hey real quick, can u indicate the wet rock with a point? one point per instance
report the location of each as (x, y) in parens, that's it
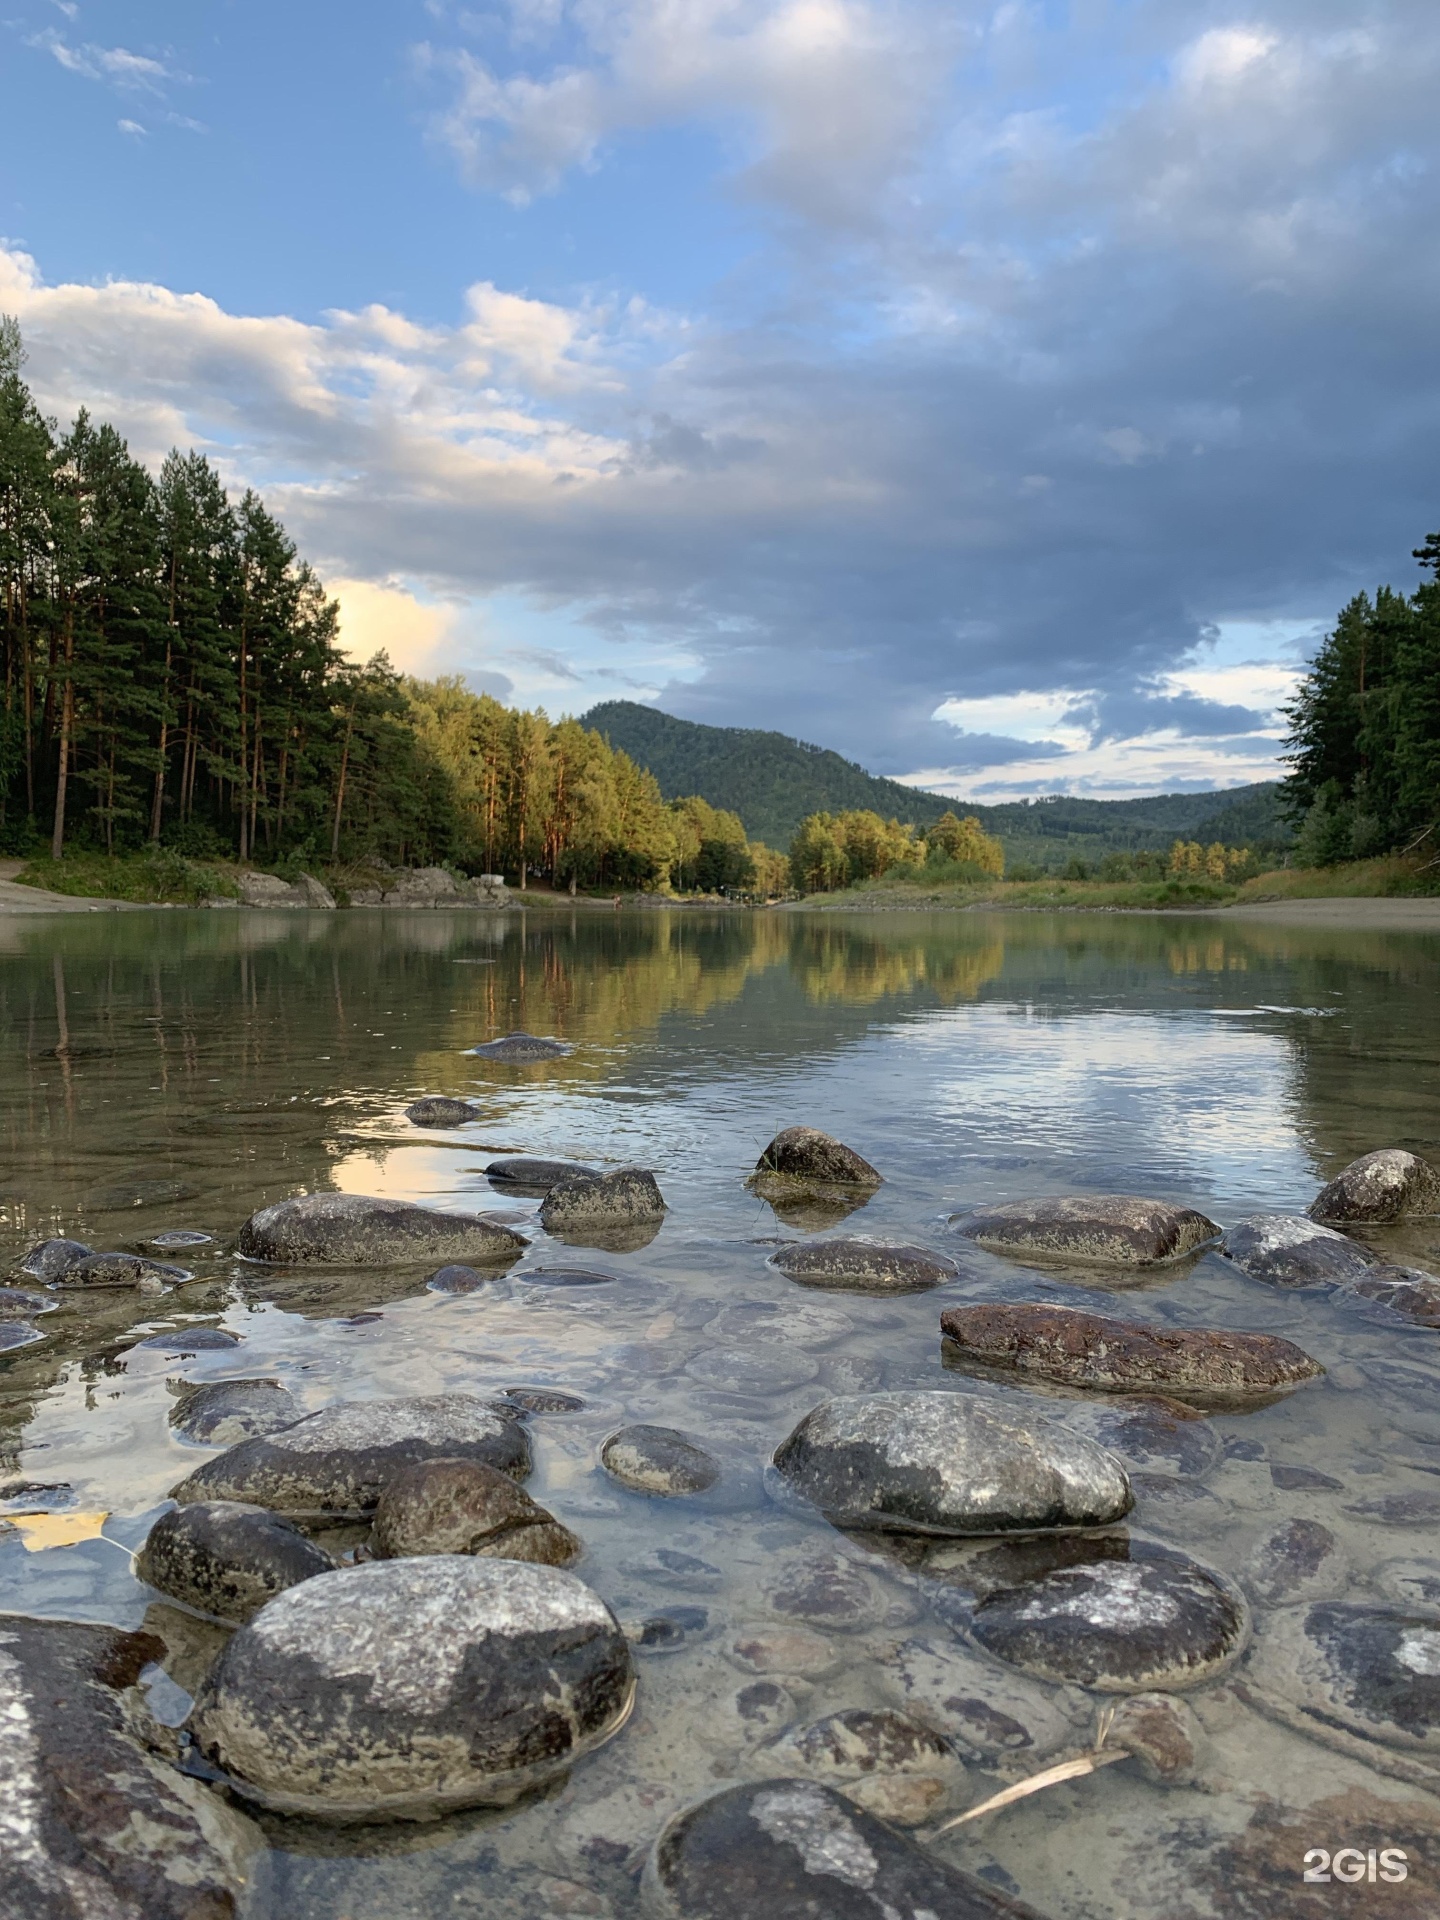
(1303, 1480)
(179, 1342)
(1161, 1732)
(989, 1714)
(1379, 1187)
(351, 1230)
(890, 1763)
(621, 1199)
(755, 1711)
(334, 1465)
(521, 1047)
(803, 1323)
(863, 1266)
(269, 890)
(565, 1277)
(825, 1590)
(1081, 1349)
(226, 1559)
(224, 1411)
(101, 1270)
(950, 1570)
(457, 1278)
(1178, 1508)
(1416, 1507)
(174, 1238)
(1106, 1229)
(438, 1110)
(742, 1370)
(1160, 1621)
(796, 1850)
(787, 1650)
(404, 1688)
(50, 1258)
(1291, 1251)
(658, 1460)
(462, 1506)
(668, 1630)
(846, 1373)
(948, 1463)
(1413, 1584)
(1372, 1672)
(684, 1570)
(524, 1175)
(17, 1303)
(806, 1154)
(1403, 1291)
(18, 1333)
(91, 1826)
(543, 1399)
(1151, 1433)
(1300, 1560)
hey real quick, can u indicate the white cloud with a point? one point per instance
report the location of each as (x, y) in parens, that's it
(135, 72)
(132, 127)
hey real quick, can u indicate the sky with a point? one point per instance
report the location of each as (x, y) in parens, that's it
(1007, 396)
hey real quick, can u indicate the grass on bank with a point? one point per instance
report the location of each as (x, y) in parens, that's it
(156, 877)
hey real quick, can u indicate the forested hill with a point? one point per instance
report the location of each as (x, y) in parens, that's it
(773, 782)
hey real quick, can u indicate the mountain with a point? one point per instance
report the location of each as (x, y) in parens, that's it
(772, 782)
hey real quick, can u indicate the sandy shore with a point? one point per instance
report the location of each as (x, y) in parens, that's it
(1363, 916)
(15, 899)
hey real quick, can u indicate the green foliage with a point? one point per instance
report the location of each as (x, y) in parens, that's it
(156, 876)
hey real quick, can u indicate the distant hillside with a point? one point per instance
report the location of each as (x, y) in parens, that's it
(772, 782)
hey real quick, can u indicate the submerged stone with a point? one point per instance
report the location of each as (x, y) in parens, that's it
(224, 1411)
(565, 1277)
(619, 1199)
(1291, 1251)
(948, 1463)
(439, 1110)
(92, 1827)
(1301, 1560)
(457, 1278)
(743, 1370)
(1107, 1229)
(990, 1714)
(537, 1176)
(99, 1270)
(1403, 1291)
(1370, 1672)
(463, 1506)
(890, 1763)
(807, 1154)
(334, 1465)
(174, 1237)
(225, 1559)
(17, 1303)
(18, 1333)
(1160, 1621)
(543, 1399)
(1161, 1732)
(658, 1460)
(521, 1047)
(1379, 1187)
(404, 1689)
(1082, 1349)
(1151, 1433)
(800, 1323)
(796, 1850)
(352, 1230)
(50, 1258)
(863, 1266)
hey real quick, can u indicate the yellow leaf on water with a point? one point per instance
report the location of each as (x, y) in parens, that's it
(42, 1530)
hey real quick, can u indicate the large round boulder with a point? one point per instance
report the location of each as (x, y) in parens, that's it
(625, 1198)
(949, 1463)
(1379, 1187)
(225, 1559)
(863, 1266)
(1102, 1229)
(334, 1465)
(1291, 1251)
(403, 1689)
(352, 1230)
(462, 1506)
(807, 1154)
(1343, 1667)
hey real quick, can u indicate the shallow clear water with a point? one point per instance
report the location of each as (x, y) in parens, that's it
(181, 1069)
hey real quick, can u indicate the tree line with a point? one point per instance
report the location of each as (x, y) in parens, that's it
(834, 850)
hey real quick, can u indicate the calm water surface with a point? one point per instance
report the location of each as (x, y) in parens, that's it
(182, 1069)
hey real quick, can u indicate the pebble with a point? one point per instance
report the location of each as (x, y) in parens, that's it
(741, 1370)
(353, 1230)
(1372, 1672)
(658, 1460)
(1379, 1187)
(543, 1399)
(224, 1411)
(862, 1266)
(404, 1689)
(521, 1047)
(50, 1258)
(1081, 1349)
(463, 1506)
(1289, 1250)
(1301, 1560)
(536, 1176)
(438, 1110)
(948, 1463)
(225, 1559)
(334, 1465)
(1161, 1732)
(624, 1198)
(1303, 1480)
(1107, 1229)
(804, 1153)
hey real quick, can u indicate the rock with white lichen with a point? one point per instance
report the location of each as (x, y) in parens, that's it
(1389, 1185)
(1290, 1251)
(1100, 1229)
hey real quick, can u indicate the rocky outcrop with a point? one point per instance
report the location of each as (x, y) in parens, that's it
(1080, 1349)
(1101, 1229)
(863, 1266)
(225, 1559)
(404, 1689)
(463, 1506)
(352, 1230)
(269, 890)
(429, 888)
(1380, 1187)
(1289, 1250)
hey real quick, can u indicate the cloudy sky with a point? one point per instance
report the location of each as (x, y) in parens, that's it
(1005, 395)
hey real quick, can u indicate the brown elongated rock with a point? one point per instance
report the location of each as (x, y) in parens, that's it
(1081, 1349)
(1389, 1185)
(353, 1230)
(463, 1506)
(1099, 1229)
(805, 1153)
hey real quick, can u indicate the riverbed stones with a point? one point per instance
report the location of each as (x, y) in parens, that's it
(1291, 1251)
(525, 1174)
(993, 1715)
(439, 1110)
(1077, 1348)
(1380, 1187)
(808, 1155)
(746, 1370)
(1403, 1291)
(91, 1826)
(521, 1048)
(788, 1849)
(543, 1399)
(1158, 1622)
(403, 1689)
(353, 1230)
(948, 1463)
(863, 1266)
(1301, 1560)
(800, 1323)
(658, 1460)
(132, 1270)
(1151, 1433)
(626, 1198)
(18, 1303)
(1370, 1672)
(1101, 1229)
(221, 1412)
(889, 1762)
(18, 1333)
(225, 1559)
(463, 1506)
(334, 1465)
(456, 1277)
(1161, 1732)
(50, 1258)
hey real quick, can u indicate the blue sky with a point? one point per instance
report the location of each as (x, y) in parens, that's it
(1003, 394)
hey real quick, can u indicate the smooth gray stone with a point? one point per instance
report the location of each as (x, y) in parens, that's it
(17, 1303)
(863, 1266)
(521, 1047)
(796, 1850)
(50, 1258)
(1389, 1185)
(221, 1412)
(353, 1230)
(93, 1827)
(949, 1463)
(334, 1465)
(658, 1460)
(436, 1110)
(529, 1175)
(1370, 1672)
(1291, 1251)
(186, 1340)
(179, 1237)
(460, 1506)
(807, 1154)
(404, 1689)
(225, 1559)
(618, 1199)
(456, 1278)
(1103, 1229)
